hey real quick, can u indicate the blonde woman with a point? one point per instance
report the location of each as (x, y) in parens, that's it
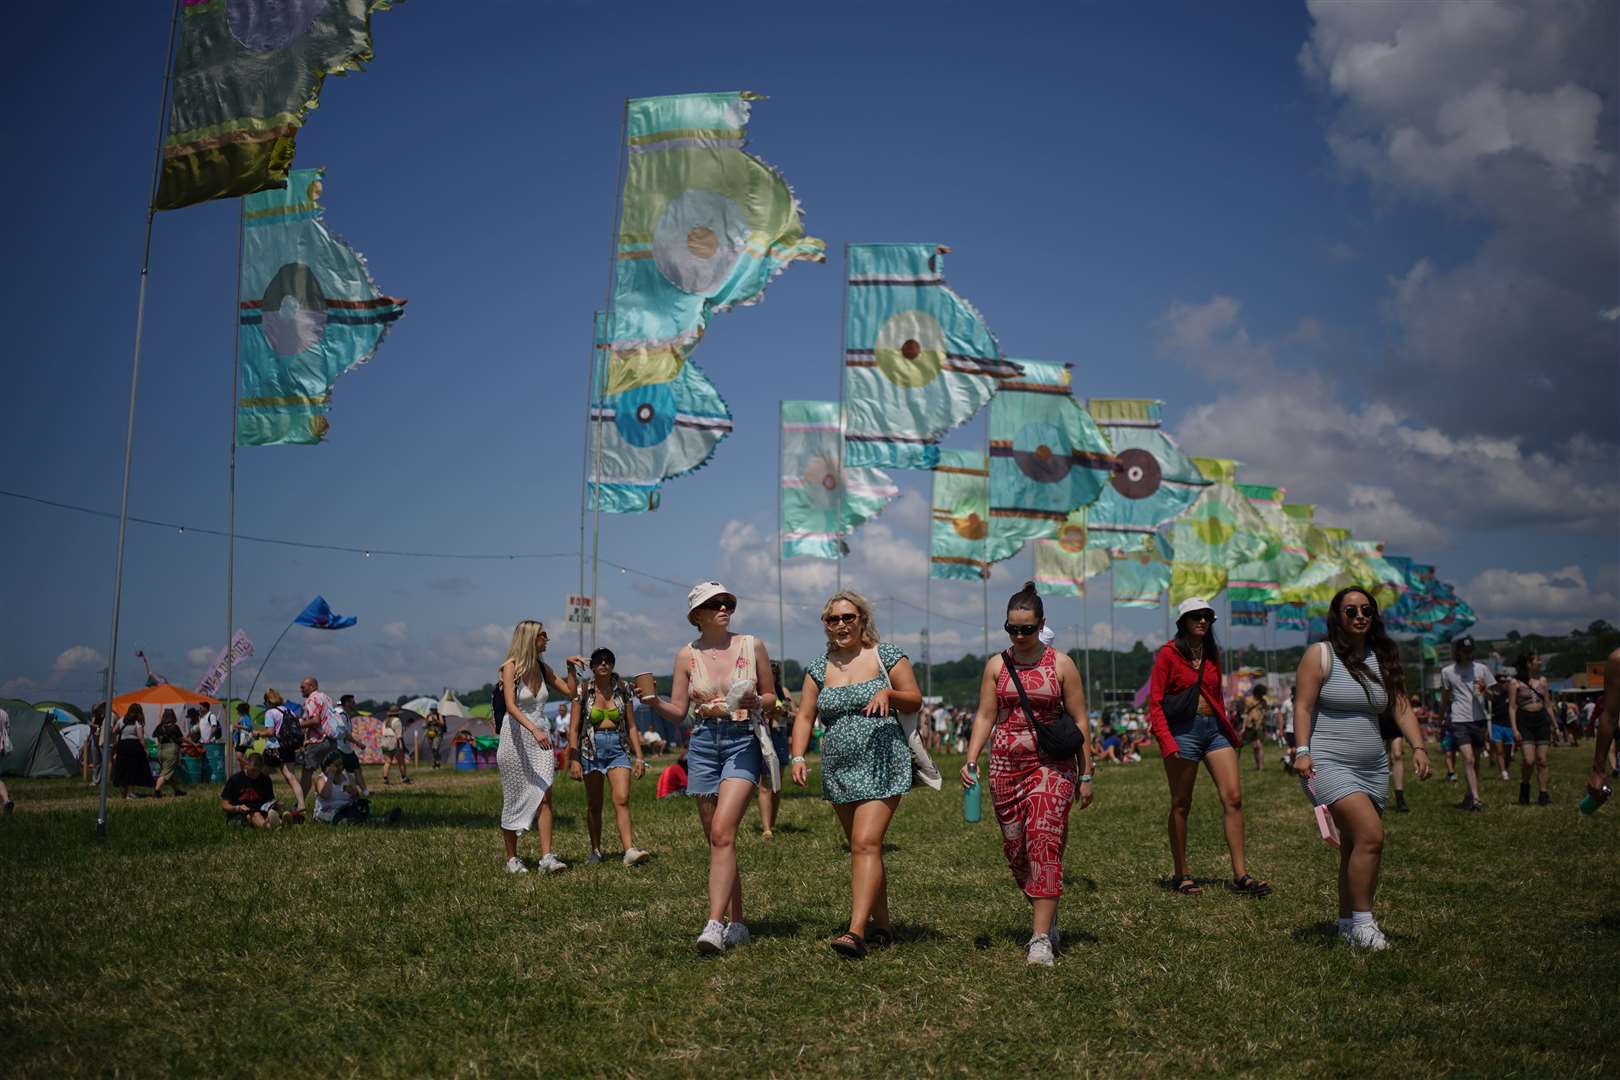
(723, 758)
(525, 757)
(858, 688)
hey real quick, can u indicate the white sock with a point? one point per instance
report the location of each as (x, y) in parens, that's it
(1361, 918)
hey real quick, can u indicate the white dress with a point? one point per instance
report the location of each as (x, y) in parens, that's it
(526, 769)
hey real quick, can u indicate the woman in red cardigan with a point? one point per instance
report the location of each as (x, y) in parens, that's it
(1197, 729)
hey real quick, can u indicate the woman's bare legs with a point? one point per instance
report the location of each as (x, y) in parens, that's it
(1223, 769)
(1182, 775)
(865, 824)
(719, 815)
(1361, 851)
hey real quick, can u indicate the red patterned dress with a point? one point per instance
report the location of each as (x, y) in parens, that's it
(1031, 792)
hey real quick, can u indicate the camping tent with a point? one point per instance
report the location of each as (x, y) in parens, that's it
(37, 747)
(450, 705)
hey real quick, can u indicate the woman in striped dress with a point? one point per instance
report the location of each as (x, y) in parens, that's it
(1342, 687)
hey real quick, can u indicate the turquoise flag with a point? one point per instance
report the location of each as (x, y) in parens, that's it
(960, 515)
(1153, 480)
(1047, 457)
(823, 501)
(918, 359)
(1140, 575)
(1062, 571)
(1220, 531)
(309, 312)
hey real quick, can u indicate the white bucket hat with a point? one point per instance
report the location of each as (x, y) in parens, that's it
(1192, 604)
(702, 593)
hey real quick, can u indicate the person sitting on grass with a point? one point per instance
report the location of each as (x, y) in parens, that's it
(672, 781)
(249, 797)
(338, 799)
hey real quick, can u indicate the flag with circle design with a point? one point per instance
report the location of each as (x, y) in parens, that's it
(1221, 530)
(823, 501)
(1152, 481)
(960, 519)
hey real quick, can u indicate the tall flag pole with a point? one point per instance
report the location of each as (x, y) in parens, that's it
(129, 430)
(602, 362)
(781, 470)
(230, 501)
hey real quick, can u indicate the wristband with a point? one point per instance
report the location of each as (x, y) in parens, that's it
(1085, 778)
(796, 759)
(1302, 751)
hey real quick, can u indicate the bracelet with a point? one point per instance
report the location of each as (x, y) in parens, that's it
(796, 759)
(1302, 751)
(1085, 778)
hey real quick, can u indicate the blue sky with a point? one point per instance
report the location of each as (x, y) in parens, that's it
(1368, 250)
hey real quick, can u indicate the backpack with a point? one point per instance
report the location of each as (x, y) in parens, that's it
(497, 704)
(288, 733)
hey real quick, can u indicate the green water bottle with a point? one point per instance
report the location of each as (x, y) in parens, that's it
(1595, 797)
(971, 806)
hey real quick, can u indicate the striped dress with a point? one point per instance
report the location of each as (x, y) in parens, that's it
(1346, 750)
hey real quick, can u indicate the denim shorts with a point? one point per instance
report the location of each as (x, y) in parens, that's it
(609, 753)
(720, 751)
(1199, 736)
(1502, 733)
(780, 738)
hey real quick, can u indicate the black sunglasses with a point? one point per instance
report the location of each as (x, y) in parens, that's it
(1354, 611)
(1017, 630)
(718, 605)
(840, 619)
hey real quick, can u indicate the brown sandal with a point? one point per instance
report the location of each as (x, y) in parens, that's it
(1185, 885)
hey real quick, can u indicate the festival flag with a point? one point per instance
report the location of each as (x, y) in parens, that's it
(960, 522)
(1248, 612)
(309, 312)
(822, 502)
(239, 649)
(1047, 457)
(1397, 616)
(918, 359)
(1153, 480)
(649, 434)
(1293, 617)
(1375, 573)
(246, 73)
(1220, 531)
(318, 613)
(1062, 571)
(1328, 571)
(1142, 574)
(1258, 581)
(703, 227)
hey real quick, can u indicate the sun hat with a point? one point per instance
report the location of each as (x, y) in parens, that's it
(1046, 635)
(701, 594)
(1192, 604)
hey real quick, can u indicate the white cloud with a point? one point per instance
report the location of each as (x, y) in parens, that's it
(1212, 338)
(78, 658)
(394, 631)
(1563, 593)
(18, 686)
(201, 656)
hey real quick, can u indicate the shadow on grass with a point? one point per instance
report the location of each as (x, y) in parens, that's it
(1019, 936)
(1206, 885)
(1323, 935)
(782, 928)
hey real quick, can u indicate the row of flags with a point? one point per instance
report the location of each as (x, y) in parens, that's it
(703, 226)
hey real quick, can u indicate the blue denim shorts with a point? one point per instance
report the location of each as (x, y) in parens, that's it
(780, 738)
(1502, 733)
(609, 753)
(720, 751)
(1199, 736)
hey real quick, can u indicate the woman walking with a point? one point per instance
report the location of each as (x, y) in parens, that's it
(524, 754)
(275, 721)
(1530, 714)
(601, 741)
(130, 767)
(169, 739)
(393, 745)
(721, 684)
(779, 726)
(1342, 686)
(858, 688)
(1188, 716)
(1032, 792)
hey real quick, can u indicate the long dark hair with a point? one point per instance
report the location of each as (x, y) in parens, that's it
(1027, 599)
(1378, 640)
(1521, 666)
(1183, 641)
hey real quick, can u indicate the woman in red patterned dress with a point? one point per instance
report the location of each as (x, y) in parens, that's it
(1031, 792)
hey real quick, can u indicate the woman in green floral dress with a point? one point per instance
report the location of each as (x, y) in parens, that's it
(858, 688)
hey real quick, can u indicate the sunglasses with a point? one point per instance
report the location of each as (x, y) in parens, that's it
(718, 605)
(1363, 611)
(1021, 630)
(1201, 616)
(841, 620)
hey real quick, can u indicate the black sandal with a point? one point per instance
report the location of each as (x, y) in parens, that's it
(879, 937)
(1249, 885)
(1185, 885)
(849, 944)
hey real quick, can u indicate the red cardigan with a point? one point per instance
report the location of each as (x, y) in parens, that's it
(1172, 674)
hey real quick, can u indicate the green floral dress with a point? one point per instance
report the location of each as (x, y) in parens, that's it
(862, 757)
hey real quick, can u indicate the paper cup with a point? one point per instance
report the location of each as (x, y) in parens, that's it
(645, 684)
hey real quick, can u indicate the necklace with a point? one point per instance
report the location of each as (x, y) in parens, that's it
(842, 665)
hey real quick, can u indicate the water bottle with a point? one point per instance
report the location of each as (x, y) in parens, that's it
(1595, 797)
(971, 805)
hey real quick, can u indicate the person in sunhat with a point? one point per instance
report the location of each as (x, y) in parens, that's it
(1187, 714)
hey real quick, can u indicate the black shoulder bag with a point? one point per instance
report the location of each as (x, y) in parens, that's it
(1061, 739)
(1181, 708)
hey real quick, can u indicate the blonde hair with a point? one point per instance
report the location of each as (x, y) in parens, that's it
(273, 699)
(524, 652)
(869, 634)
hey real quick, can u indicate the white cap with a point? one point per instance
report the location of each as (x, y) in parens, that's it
(1046, 635)
(1192, 604)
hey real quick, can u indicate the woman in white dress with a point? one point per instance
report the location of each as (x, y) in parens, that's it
(525, 756)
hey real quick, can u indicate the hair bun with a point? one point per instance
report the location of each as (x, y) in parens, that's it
(1029, 587)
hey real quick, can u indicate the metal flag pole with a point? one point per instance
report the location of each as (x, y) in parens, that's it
(225, 728)
(266, 661)
(1085, 622)
(928, 596)
(1113, 646)
(843, 423)
(129, 428)
(585, 464)
(604, 364)
(781, 463)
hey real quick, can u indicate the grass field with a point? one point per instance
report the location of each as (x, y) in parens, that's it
(181, 947)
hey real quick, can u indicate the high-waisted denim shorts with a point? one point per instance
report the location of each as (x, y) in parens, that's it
(720, 751)
(609, 753)
(1198, 737)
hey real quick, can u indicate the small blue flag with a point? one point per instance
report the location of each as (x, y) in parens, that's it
(318, 613)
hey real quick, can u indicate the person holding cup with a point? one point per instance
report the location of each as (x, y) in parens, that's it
(722, 683)
(602, 739)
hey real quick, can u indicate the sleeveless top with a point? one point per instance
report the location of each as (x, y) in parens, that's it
(533, 702)
(1343, 694)
(1530, 699)
(852, 698)
(1041, 686)
(700, 690)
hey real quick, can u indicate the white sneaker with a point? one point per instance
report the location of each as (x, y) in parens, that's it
(1040, 950)
(1366, 936)
(713, 939)
(634, 856)
(515, 865)
(737, 934)
(550, 864)
(593, 858)
(1504, 774)
(272, 819)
